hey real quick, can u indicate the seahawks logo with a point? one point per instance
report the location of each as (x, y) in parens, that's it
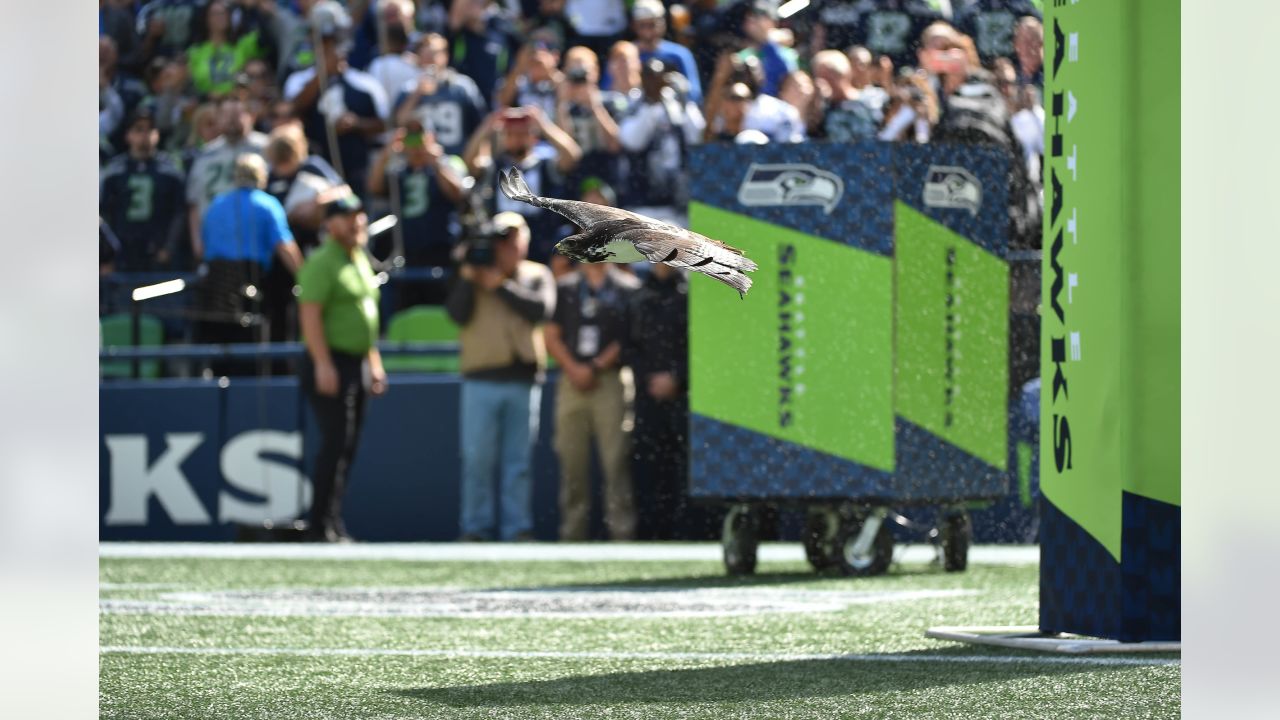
(948, 186)
(790, 184)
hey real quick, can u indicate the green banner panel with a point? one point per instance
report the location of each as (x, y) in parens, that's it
(1110, 405)
(808, 356)
(1086, 411)
(1155, 366)
(952, 306)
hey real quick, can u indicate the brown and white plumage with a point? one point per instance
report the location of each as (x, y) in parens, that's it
(613, 235)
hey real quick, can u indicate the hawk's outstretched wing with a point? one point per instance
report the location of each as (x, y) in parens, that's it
(688, 250)
(655, 240)
(582, 214)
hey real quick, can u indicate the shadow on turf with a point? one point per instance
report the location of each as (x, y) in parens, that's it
(783, 680)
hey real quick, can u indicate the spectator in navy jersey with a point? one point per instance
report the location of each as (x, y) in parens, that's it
(534, 79)
(141, 199)
(424, 186)
(117, 23)
(297, 180)
(167, 27)
(353, 103)
(441, 98)
(482, 43)
(545, 165)
(549, 16)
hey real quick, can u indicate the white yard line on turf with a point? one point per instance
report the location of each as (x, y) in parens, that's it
(607, 655)
(526, 552)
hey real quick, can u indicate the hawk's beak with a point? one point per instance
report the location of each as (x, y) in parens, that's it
(560, 247)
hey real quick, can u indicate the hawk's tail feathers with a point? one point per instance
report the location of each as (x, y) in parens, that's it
(733, 279)
(514, 186)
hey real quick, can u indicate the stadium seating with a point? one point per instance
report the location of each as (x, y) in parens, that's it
(421, 323)
(117, 330)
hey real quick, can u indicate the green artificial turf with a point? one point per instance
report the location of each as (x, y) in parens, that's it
(258, 666)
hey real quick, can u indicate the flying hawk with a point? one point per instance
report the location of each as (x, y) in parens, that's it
(613, 235)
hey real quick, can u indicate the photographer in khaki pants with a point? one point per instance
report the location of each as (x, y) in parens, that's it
(500, 301)
(585, 337)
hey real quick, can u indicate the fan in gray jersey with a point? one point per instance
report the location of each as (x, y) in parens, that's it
(211, 172)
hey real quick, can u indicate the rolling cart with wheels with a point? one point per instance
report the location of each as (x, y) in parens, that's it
(867, 372)
(847, 538)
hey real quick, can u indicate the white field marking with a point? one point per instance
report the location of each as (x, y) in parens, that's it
(528, 552)
(610, 655)
(568, 602)
(140, 586)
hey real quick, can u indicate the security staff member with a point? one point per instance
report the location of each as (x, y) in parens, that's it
(585, 336)
(338, 309)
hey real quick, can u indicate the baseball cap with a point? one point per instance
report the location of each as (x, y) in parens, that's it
(516, 116)
(330, 20)
(546, 39)
(600, 186)
(507, 220)
(343, 204)
(648, 10)
(763, 7)
(145, 111)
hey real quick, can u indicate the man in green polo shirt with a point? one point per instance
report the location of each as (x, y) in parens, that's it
(338, 310)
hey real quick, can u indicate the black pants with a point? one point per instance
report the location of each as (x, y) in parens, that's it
(277, 308)
(213, 332)
(660, 472)
(340, 418)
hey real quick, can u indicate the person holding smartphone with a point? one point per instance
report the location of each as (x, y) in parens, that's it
(424, 186)
(590, 116)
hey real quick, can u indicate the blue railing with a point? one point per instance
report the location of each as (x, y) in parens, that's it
(258, 351)
(115, 289)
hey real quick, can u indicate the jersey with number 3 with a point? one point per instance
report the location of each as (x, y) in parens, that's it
(425, 213)
(141, 200)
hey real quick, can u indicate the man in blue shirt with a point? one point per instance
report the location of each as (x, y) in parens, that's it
(648, 21)
(777, 61)
(244, 231)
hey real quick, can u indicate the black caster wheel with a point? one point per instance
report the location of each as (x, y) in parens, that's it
(740, 539)
(820, 527)
(957, 536)
(859, 556)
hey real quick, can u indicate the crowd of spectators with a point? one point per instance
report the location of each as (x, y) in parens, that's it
(416, 104)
